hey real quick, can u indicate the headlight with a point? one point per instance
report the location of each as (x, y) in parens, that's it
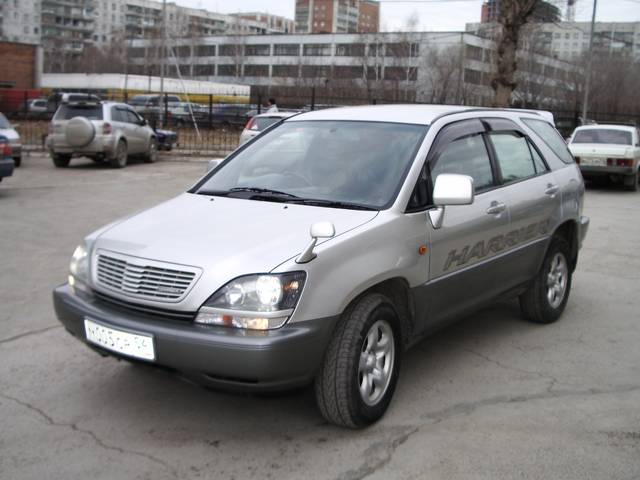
(257, 302)
(79, 266)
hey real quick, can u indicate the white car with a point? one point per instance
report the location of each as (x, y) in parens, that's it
(7, 130)
(259, 123)
(608, 152)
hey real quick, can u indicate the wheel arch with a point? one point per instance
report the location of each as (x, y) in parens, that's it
(397, 290)
(569, 232)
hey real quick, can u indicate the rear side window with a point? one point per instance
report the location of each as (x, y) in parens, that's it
(466, 156)
(602, 135)
(67, 112)
(515, 157)
(551, 137)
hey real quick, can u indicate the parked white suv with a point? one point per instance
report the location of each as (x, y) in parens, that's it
(321, 250)
(102, 131)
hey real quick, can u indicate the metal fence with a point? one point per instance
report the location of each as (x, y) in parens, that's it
(210, 128)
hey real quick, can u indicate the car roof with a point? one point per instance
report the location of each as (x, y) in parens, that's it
(413, 114)
(608, 126)
(275, 114)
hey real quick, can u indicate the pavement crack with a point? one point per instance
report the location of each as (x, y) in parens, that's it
(379, 454)
(29, 333)
(97, 440)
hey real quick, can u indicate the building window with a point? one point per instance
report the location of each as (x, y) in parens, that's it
(473, 77)
(229, 70)
(204, 70)
(347, 72)
(183, 52)
(206, 51)
(286, 49)
(316, 71)
(317, 50)
(256, 70)
(350, 50)
(285, 71)
(257, 50)
(230, 50)
(403, 49)
(473, 53)
(401, 73)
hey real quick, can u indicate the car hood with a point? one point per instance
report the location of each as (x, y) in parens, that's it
(599, 150)
(11, 135)
(221, 237)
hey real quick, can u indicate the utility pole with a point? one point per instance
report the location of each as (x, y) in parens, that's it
(163, 54)
(587, 82)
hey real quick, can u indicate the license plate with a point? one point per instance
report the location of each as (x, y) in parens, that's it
(593, 162)
(132, 344)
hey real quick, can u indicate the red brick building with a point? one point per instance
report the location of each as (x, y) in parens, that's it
(337, 16)
(21, 65)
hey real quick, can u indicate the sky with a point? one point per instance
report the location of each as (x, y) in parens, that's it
(432, 14)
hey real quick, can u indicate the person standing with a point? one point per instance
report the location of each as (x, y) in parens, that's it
(272, 107)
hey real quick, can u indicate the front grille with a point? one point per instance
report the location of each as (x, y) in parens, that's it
(144, 309)
(135, 277)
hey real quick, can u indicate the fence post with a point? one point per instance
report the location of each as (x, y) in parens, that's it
(165, 124)
(374, 101)
(313, 98)
(26, 103)
(259, 103)
(126, 96)
(210, 110)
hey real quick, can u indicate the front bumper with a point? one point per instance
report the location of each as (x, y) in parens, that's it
(223, 357)
(6, 167)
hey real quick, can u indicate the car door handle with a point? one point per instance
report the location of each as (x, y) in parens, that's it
(496, 208)
(551, 189)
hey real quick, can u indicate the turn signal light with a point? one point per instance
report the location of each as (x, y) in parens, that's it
(5, 148)
(106, 128)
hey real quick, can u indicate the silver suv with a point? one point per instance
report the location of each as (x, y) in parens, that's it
(102, 131)
(320, 250)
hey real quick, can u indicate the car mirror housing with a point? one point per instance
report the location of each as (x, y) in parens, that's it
(213, 164)
(317, 230)
(450, 189)
(453, 189)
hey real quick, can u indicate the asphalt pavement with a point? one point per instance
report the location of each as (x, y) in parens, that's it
(491, 397)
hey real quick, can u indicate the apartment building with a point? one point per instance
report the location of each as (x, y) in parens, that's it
(337, 16)
(272, 23)
(435, 67)
(20, 21)
(570, 40)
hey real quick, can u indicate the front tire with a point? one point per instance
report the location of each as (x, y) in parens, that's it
(545, 299)
(361, 365)
(152, 154)
(119, 160)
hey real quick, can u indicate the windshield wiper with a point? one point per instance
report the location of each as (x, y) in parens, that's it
(262, 190)
(258, 193)
(332, 204)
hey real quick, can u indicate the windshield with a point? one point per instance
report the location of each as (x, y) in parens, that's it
(4, 123)
(345, 162)
(602, 135)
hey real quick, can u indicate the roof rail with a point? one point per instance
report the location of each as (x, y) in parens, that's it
(542, 113)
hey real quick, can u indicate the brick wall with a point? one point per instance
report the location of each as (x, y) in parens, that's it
(18, 64)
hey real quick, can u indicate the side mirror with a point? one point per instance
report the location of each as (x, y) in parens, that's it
(453, 189)
(450, 189)
(144, 122)
(318, 230)
(213, 164)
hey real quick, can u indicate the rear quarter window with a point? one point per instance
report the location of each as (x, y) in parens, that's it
(551, 137)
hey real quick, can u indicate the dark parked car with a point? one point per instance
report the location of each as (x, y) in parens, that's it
(6, 158)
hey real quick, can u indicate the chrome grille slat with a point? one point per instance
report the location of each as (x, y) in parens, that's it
(136, 278)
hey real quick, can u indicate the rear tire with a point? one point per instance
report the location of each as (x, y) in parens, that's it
(631, 182)
(361, 365)
(545, 299)
(61, 161)
(17, 161)
(119, 160)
